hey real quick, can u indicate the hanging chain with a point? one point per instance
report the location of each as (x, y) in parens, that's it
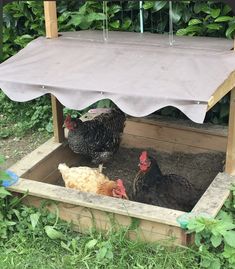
(105, 21)
(171, 30)
(141, 17)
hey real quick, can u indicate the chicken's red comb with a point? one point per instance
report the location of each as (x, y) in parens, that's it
(120, 183)
(143, 156)
(68, 118)
(121, 186)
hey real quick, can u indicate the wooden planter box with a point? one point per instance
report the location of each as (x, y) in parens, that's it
(38, 172)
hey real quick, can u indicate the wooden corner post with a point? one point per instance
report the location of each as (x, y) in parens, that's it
(50, 19)
(230, 155)
(52, 32)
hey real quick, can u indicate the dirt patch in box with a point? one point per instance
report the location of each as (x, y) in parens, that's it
(200, 169)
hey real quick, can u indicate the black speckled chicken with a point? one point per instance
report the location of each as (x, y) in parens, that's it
(152, 187)
(98, 138)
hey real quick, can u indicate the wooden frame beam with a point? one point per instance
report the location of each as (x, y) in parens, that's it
(222, 90)
(230, 155)
(50, 19)
(58, 119)
(52, 32)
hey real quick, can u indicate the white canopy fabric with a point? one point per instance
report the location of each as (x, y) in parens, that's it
(141, 73)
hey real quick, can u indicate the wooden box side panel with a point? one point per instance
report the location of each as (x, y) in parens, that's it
(172, 137)
(215, 196)
(84, 219)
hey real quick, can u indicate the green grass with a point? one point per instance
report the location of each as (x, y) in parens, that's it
(24, 251)
(25, 242)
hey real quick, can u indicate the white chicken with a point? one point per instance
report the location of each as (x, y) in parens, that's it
(92, 180)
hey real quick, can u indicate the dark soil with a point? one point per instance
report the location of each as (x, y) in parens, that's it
(200, 169)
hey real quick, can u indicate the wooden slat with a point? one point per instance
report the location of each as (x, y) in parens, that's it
(230, 155)
(185, 125)
(215, 196)
(103, 203)
(177, 137)
(222, 90)
(84, 219)
(50, 19)
(133, 141)
(58, 120)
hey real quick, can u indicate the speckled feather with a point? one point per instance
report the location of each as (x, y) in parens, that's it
(98, 138)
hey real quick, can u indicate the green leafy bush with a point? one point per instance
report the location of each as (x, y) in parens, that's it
(215, 238)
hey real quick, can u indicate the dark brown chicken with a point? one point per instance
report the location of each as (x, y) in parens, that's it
(98, 138)
(152, 187)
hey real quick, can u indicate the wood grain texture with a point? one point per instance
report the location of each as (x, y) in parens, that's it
(50, 19)
(230, 154)
(58, 119)
(99, 202)
(84, 219)
(215, 196)
(173, 137)
(222, 90)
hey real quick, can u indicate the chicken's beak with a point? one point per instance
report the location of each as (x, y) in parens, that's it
(125, 196)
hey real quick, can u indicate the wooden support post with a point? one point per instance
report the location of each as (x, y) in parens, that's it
(230, 156)
(50, 19)
(52, 32)
(57, 113)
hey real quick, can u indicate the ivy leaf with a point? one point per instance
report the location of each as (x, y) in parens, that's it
(126, 23)
(176, 13)
(229, 238)
(216, 240)
(215, 264)
(76, 20)
(182, 32)
(215, 13)
(148, 4)
(223, 19)
(114, 9)
(159, 5)
(230, 30)
(115, 24)
(214, 26)
(194, 22)
(95, 17)
(226, 9)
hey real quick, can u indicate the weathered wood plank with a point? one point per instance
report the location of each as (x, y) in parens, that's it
(177, 136)
(84, 219)
(230, 154)
(50, 19)
(222, 90)
(99, 202)
(58, 120)
(215, 196)
(133, 141)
